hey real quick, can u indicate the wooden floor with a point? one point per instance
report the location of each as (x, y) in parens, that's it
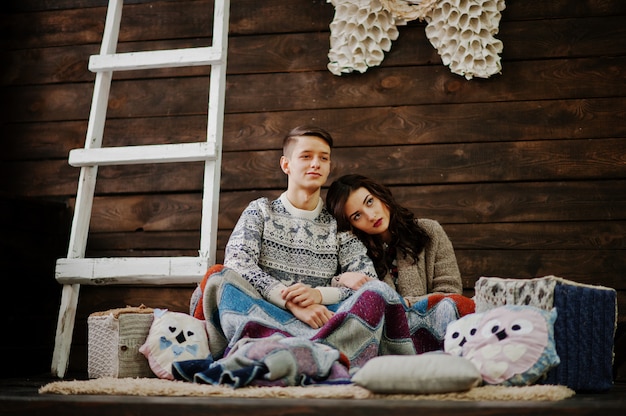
(21, 397)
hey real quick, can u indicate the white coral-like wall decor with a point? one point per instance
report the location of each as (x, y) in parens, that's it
(361, 33)
(462, 31)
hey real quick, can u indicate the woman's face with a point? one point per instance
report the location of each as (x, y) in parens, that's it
(366, 212)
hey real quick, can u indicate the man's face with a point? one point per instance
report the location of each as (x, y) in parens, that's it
(307, 162)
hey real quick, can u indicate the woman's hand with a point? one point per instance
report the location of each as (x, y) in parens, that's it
(302, 295)
(315, 315)
(354, 280)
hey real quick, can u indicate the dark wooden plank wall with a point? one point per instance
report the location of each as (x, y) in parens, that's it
(526, 170)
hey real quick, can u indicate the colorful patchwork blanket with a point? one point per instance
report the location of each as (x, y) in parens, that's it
(373, 321)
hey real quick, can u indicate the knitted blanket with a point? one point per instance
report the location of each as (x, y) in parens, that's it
(271, 361)
(373, 321)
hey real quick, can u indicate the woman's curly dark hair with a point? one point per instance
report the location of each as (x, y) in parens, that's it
(407, 236)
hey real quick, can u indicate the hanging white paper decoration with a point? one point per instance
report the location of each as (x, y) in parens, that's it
(360, 34)
(462, 31)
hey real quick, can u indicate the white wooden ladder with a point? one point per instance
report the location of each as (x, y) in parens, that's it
(76, 270)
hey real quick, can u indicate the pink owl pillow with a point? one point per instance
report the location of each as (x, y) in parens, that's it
(513, 345)
(174, 336)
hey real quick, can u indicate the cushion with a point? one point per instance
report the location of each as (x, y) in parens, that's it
(428, 373)
(492, 292)
(583, 331)
(584, 335)
(114, 338)
(513, 345)
(459, 332)
(174, 336)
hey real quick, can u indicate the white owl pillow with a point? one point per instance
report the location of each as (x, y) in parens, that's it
(174, 336)
(459, 331)
(512, 345)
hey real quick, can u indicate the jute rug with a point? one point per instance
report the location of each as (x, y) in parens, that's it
(160, 387)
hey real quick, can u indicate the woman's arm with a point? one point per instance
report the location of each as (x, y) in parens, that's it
(441, 261)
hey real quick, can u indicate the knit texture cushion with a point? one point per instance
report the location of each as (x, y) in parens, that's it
(584, 334)
(114, 338)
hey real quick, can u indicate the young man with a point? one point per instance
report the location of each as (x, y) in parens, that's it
(289, 249)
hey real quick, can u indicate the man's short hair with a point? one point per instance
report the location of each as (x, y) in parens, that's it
(307, 131)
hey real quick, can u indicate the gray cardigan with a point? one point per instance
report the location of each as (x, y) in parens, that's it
(436, 271)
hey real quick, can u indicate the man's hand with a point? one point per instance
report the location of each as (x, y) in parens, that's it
(354, 280)
(302, 295)
(315, 315)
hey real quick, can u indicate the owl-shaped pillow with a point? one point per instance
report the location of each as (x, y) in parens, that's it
(513, 345)
(174, 336)
(459, 331)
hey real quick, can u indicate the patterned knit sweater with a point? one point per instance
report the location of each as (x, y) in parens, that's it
(436, 271)
(275, 245)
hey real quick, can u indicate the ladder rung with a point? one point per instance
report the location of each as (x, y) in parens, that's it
(156, 59)
(132, 155)
(131, 270)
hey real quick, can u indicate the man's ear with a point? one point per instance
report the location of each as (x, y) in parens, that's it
(284, 164)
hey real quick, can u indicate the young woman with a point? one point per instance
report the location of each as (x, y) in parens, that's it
(413, 256)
